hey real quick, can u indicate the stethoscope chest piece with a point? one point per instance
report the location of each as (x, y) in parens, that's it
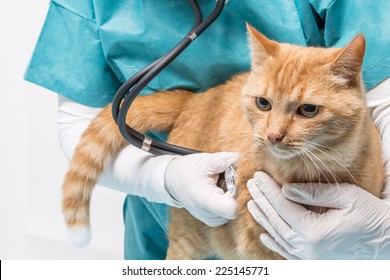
(227, 181)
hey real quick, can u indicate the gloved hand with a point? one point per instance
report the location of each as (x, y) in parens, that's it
(191, 181)
(356, 227)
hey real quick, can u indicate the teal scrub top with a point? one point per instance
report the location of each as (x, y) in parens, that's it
(88, 48)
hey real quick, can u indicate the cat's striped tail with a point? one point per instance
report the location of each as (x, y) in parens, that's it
(100, 143)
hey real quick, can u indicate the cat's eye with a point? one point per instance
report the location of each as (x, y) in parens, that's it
(308, 110)
(263, 104)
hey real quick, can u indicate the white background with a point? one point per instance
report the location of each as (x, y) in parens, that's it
(31, 163)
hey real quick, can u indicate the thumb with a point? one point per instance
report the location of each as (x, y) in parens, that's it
(219, 162)
(317, 194)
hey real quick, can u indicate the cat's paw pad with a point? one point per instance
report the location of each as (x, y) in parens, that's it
(79, 235)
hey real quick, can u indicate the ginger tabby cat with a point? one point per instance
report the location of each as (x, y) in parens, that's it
(299, 115)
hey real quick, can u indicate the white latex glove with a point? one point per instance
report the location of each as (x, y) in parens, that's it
(192, 180)
(356, 227)
(378, 100)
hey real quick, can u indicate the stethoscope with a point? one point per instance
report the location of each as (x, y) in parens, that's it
(126, 94)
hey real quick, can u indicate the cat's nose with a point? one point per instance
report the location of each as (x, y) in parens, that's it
(275, 137)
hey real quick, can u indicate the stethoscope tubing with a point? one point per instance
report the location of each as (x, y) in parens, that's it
(134, 85)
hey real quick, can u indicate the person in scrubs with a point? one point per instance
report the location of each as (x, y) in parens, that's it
(87, 49)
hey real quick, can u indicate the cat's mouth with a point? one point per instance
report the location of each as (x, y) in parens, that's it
(282, 152)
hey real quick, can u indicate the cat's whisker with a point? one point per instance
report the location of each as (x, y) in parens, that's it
(315, 165)
(323, 146)
(338, 162)
(308, 166)
(249, 150)
(316, 145)
(245, 142)
(319, 169)
(336, 180)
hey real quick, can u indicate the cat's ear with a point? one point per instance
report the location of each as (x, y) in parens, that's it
(261, 47)
(348, 61)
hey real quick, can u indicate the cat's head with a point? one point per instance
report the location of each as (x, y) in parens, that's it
(299, 98)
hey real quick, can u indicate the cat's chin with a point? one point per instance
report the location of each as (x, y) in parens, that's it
(282, 153)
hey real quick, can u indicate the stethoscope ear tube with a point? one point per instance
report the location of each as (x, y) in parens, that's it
(133, 86)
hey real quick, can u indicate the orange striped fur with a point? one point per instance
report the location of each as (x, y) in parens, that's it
(339, 144)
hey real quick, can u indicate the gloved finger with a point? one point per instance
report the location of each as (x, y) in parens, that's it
(214, 200)
(285, 216)
(278, 224)
(271, 244)
(261, 218)
(317, 194)
(219, 162)
(253, 189)
(213, 221)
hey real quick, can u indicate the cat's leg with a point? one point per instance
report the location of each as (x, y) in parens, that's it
(158, 111)
(249, 246)
(188, 237)
(246, 231)
(247, 234)
(222, 241)
(184, 251)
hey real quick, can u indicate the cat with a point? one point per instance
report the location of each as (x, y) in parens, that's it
(298, 114)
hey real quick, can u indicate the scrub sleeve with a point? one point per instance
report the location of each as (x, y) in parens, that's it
(68, 57)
